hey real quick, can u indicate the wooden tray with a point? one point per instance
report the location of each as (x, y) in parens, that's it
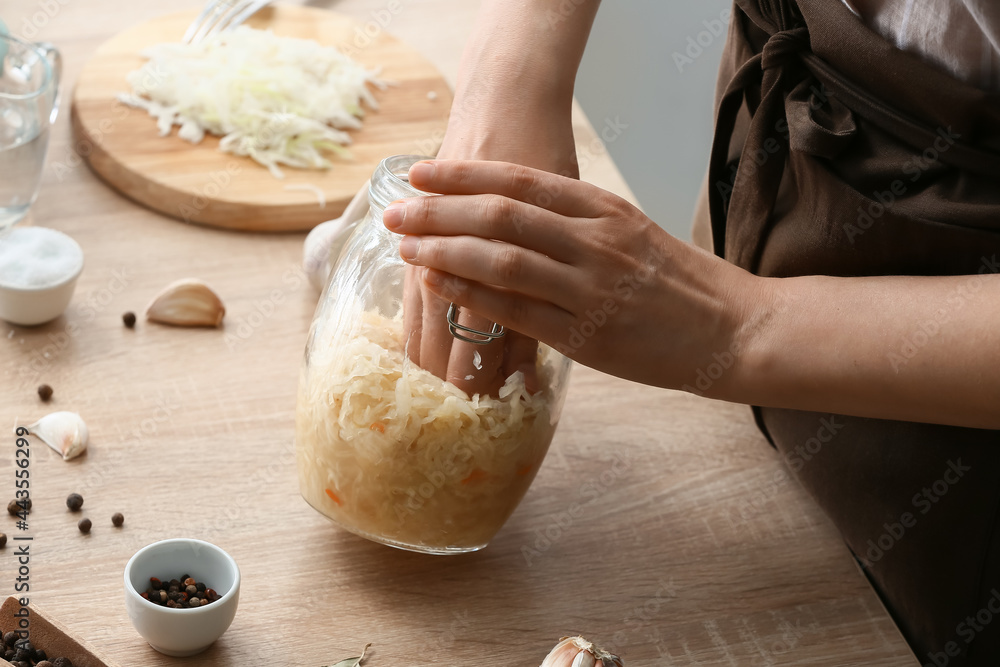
(196, 183)
(50, 635)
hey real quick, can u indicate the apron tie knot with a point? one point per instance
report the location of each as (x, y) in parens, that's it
(783, 46)
(752, 187)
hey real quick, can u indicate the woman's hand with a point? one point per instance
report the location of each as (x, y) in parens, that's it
(471, 367)
(574, 266)
(546, 143)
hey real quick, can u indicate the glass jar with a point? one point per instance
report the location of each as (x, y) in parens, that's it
(388, 450)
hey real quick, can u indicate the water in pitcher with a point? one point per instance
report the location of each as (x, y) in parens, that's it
(23, 141)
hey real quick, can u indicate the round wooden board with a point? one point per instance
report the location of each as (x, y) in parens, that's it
(199, 183)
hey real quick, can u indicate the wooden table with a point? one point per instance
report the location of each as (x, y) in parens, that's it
(661, 525)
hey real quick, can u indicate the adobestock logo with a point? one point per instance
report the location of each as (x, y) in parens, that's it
(967, 292)
(367, 33)
(696, 44)
(624, 289)
(706, 377)
(883, 200)
(827, 431)
(47, 10)
(967, 630)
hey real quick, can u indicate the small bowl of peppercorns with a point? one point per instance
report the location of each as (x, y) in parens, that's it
(181, 594)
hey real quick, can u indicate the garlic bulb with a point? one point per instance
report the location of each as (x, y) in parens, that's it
(65, 432)
(187, 303)
(323, 243)
(578, 652)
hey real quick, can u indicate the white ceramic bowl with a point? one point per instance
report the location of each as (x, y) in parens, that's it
(28, 306)
(182, 632)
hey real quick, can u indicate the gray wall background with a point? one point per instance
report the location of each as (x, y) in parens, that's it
(651, 65)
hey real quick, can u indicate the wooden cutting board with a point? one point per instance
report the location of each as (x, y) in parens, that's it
(199, 183)
(48, 634)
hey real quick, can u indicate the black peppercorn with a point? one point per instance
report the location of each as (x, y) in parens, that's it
(10, 638)
(74, 502)
(15, 507)
(189, 594)
(62, 662)
(128, 319)
(117, 519)
(84, 525)
(44, 392)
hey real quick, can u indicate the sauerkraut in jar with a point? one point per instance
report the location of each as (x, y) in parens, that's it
(387, 449)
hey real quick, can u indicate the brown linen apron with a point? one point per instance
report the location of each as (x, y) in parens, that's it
(837, 154)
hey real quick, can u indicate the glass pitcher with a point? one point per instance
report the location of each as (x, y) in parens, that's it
(386, 449)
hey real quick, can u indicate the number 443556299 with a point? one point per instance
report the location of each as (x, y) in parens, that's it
(23, 474)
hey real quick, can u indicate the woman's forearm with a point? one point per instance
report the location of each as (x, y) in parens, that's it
(923, 349)
(593, 277)
(514, 94)
(528, 48)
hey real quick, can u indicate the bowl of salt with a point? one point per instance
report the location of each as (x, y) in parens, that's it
(38, 272)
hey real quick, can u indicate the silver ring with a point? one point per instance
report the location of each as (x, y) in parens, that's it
(487, 336)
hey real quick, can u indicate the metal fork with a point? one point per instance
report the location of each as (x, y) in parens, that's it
(220, 15)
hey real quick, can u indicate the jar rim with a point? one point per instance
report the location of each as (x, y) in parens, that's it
(390, 181)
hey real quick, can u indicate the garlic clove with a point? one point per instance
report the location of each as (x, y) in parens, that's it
(316, 251)
(323, 244)
(562, 655)
(187, 303)
(578, 652)
(63, 431)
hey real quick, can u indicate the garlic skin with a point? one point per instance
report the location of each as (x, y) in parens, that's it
(323, 243)
(578, 652)
(63, 431)
(186, 303)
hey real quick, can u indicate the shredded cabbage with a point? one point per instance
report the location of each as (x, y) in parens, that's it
(278, 100)
(392, 452)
